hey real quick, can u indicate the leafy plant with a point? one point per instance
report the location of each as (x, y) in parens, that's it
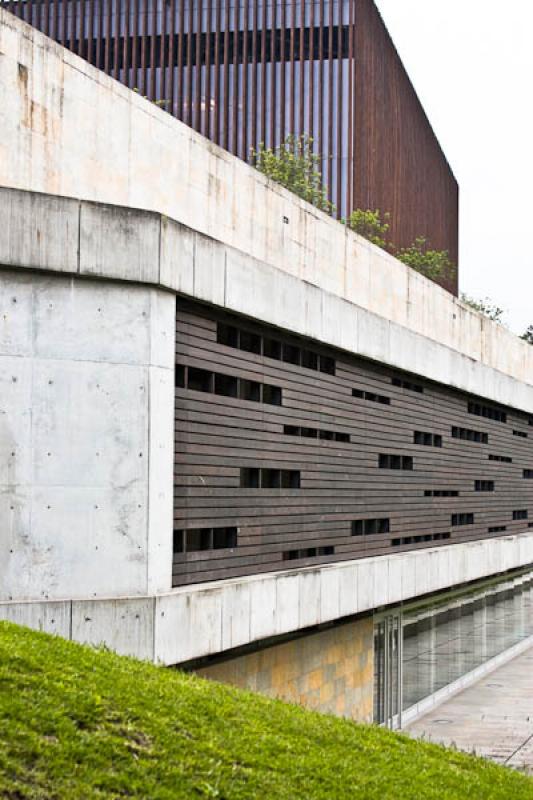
(370, 225)
(433, 264)
(485, 307)
(527, 336)
(295, 166)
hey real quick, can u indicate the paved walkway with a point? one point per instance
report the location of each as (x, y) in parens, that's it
(493, 718)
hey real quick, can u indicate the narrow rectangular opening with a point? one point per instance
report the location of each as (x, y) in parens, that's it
(250, 390)
(250, 342)
(291, 354)
(178, 544)
(227, 335)
(310, 433)
(179, 377)
(199, 539)
(291, 430)
(270, 478)
(199, 380)
(250, 477)
(327, 365)
(226, 385)
(224, 538)
(271, 395)
(290, 479)
(342, 437)
(272, 349)
(309, 359)
(290, 555)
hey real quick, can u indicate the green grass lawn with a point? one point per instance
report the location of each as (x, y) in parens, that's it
(82, 723)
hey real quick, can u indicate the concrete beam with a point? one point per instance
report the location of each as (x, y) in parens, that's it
(207, 619)
(145, 248)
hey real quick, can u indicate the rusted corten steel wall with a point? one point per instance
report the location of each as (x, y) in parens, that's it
(289, 454)
(399, 165)
(245, 72)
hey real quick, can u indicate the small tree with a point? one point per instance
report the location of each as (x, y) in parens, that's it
(485, 307)
(295, 166)
(433, 264)
(527, 336)
(370, 225)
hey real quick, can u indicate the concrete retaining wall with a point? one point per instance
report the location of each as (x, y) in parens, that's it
(202, 620)
(68, 129)
(86, 449)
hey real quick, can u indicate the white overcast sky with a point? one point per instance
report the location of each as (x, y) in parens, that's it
(471, 62)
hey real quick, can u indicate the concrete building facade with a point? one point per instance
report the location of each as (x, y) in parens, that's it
(95, 326)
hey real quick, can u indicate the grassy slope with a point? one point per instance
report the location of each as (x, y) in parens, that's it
(79, 723)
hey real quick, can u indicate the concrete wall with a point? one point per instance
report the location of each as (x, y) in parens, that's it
(86, 452)
(331, 671)
(68, 129)
(207, 619)
(44, 232)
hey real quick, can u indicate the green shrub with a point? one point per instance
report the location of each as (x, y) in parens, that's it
(295, 166)
(434, 264)
(370, 225)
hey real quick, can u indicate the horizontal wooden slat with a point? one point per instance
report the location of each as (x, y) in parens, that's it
(215, 436)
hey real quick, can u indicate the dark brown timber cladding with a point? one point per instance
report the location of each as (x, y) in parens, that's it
(248, 72)
(399, 165)
(346, 501)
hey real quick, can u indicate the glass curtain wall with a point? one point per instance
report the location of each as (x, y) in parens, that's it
(445, 639)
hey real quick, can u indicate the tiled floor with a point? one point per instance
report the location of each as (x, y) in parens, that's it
(493, 718)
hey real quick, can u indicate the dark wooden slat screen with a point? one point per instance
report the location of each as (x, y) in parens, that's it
(341, 483)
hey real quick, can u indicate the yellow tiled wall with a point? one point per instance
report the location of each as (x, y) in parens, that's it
(331, 671)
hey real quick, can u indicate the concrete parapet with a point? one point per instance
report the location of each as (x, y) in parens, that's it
(197, 621)
(143, 247)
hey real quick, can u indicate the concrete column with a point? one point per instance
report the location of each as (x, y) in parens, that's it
(86, 437)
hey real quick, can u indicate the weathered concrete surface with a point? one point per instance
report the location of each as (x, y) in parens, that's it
(207, 619)
(493, 718)
(68, 129)
(86, 449)
(110, 242)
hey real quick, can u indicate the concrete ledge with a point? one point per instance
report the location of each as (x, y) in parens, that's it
(114, 243)
(207, 619)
